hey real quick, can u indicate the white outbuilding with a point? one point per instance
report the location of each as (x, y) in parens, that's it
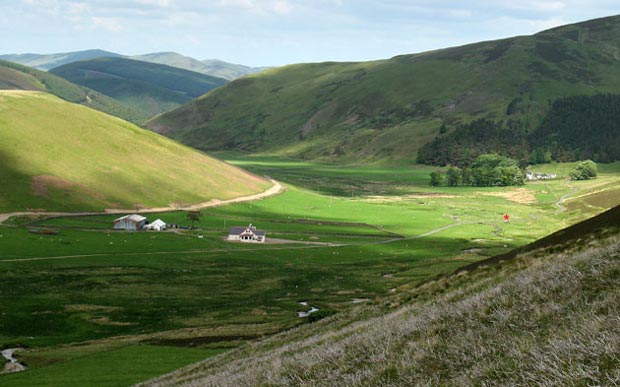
(157, 225)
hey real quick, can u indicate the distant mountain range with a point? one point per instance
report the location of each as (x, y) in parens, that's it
(49, 61)
(131, 89)
(212, 67)
(389, 109)
(14, 76)
(148, 88)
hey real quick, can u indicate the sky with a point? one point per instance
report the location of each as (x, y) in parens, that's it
(278, 32)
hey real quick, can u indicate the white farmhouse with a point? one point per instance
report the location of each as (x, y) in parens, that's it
(247, 234)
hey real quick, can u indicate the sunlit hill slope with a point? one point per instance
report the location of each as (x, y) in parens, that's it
(56, 155)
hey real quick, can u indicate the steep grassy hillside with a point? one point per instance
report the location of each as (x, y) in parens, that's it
(49, 61)
(388, 109)
(56, 155)
(546, 317)
(146, 87)
(213, 67)
(14, 76)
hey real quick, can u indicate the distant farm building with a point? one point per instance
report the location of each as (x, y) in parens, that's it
(539, 176)
(247, 234)
(133, 222)
(157, 225)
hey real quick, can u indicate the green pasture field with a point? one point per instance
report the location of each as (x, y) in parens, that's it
(132, 364)
(91, 288)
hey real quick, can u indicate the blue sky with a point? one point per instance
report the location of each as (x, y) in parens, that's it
(277, 32)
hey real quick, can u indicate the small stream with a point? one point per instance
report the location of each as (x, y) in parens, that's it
(13, 365)
(306, 313)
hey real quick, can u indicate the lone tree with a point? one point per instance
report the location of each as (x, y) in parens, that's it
(436, 178)
(194, 216)
(584, 170)
(454, 177)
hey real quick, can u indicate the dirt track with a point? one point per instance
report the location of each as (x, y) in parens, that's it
(275, 189)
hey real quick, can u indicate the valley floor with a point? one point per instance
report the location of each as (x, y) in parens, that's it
(88, 298)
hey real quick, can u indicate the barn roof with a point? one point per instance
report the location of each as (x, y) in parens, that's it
(132, 218)
(158, 222)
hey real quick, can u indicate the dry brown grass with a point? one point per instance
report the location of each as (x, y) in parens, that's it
(517, 195)
(536, 321)
(430, 195)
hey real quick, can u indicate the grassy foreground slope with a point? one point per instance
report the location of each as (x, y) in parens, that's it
(387, 109)
(14, 76)
(56, 155)
(546, 317)
(149, 88)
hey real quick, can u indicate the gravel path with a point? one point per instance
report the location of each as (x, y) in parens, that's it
(275, 189)
(562, 198)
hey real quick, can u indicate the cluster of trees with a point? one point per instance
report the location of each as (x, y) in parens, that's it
(485, 171)
(575, 128)
(584, 170)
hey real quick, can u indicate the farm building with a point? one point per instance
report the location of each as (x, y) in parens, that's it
(157, 225)
(539, 176)
(247, 234)
(133, 222)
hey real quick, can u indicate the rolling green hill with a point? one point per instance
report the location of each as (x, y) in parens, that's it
(14, 76)
(56, 155)
(146, 87)
(545, 315)
(229, 71)
(49, 61)
(213, 67)
(388, 109)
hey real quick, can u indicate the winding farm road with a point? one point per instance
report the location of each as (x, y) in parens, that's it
(274, 190)
(562, 198)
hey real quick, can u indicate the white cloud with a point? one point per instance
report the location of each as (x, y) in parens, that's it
(279, 7)
(108, 23)
(536, 5)
(259, 32)
(158, 3)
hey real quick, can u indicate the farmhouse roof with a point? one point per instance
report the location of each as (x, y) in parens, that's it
(239, 230)
(236, 230)
(132, 218)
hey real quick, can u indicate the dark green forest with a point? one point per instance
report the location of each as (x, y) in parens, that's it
(575, 128)
(581, 127)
